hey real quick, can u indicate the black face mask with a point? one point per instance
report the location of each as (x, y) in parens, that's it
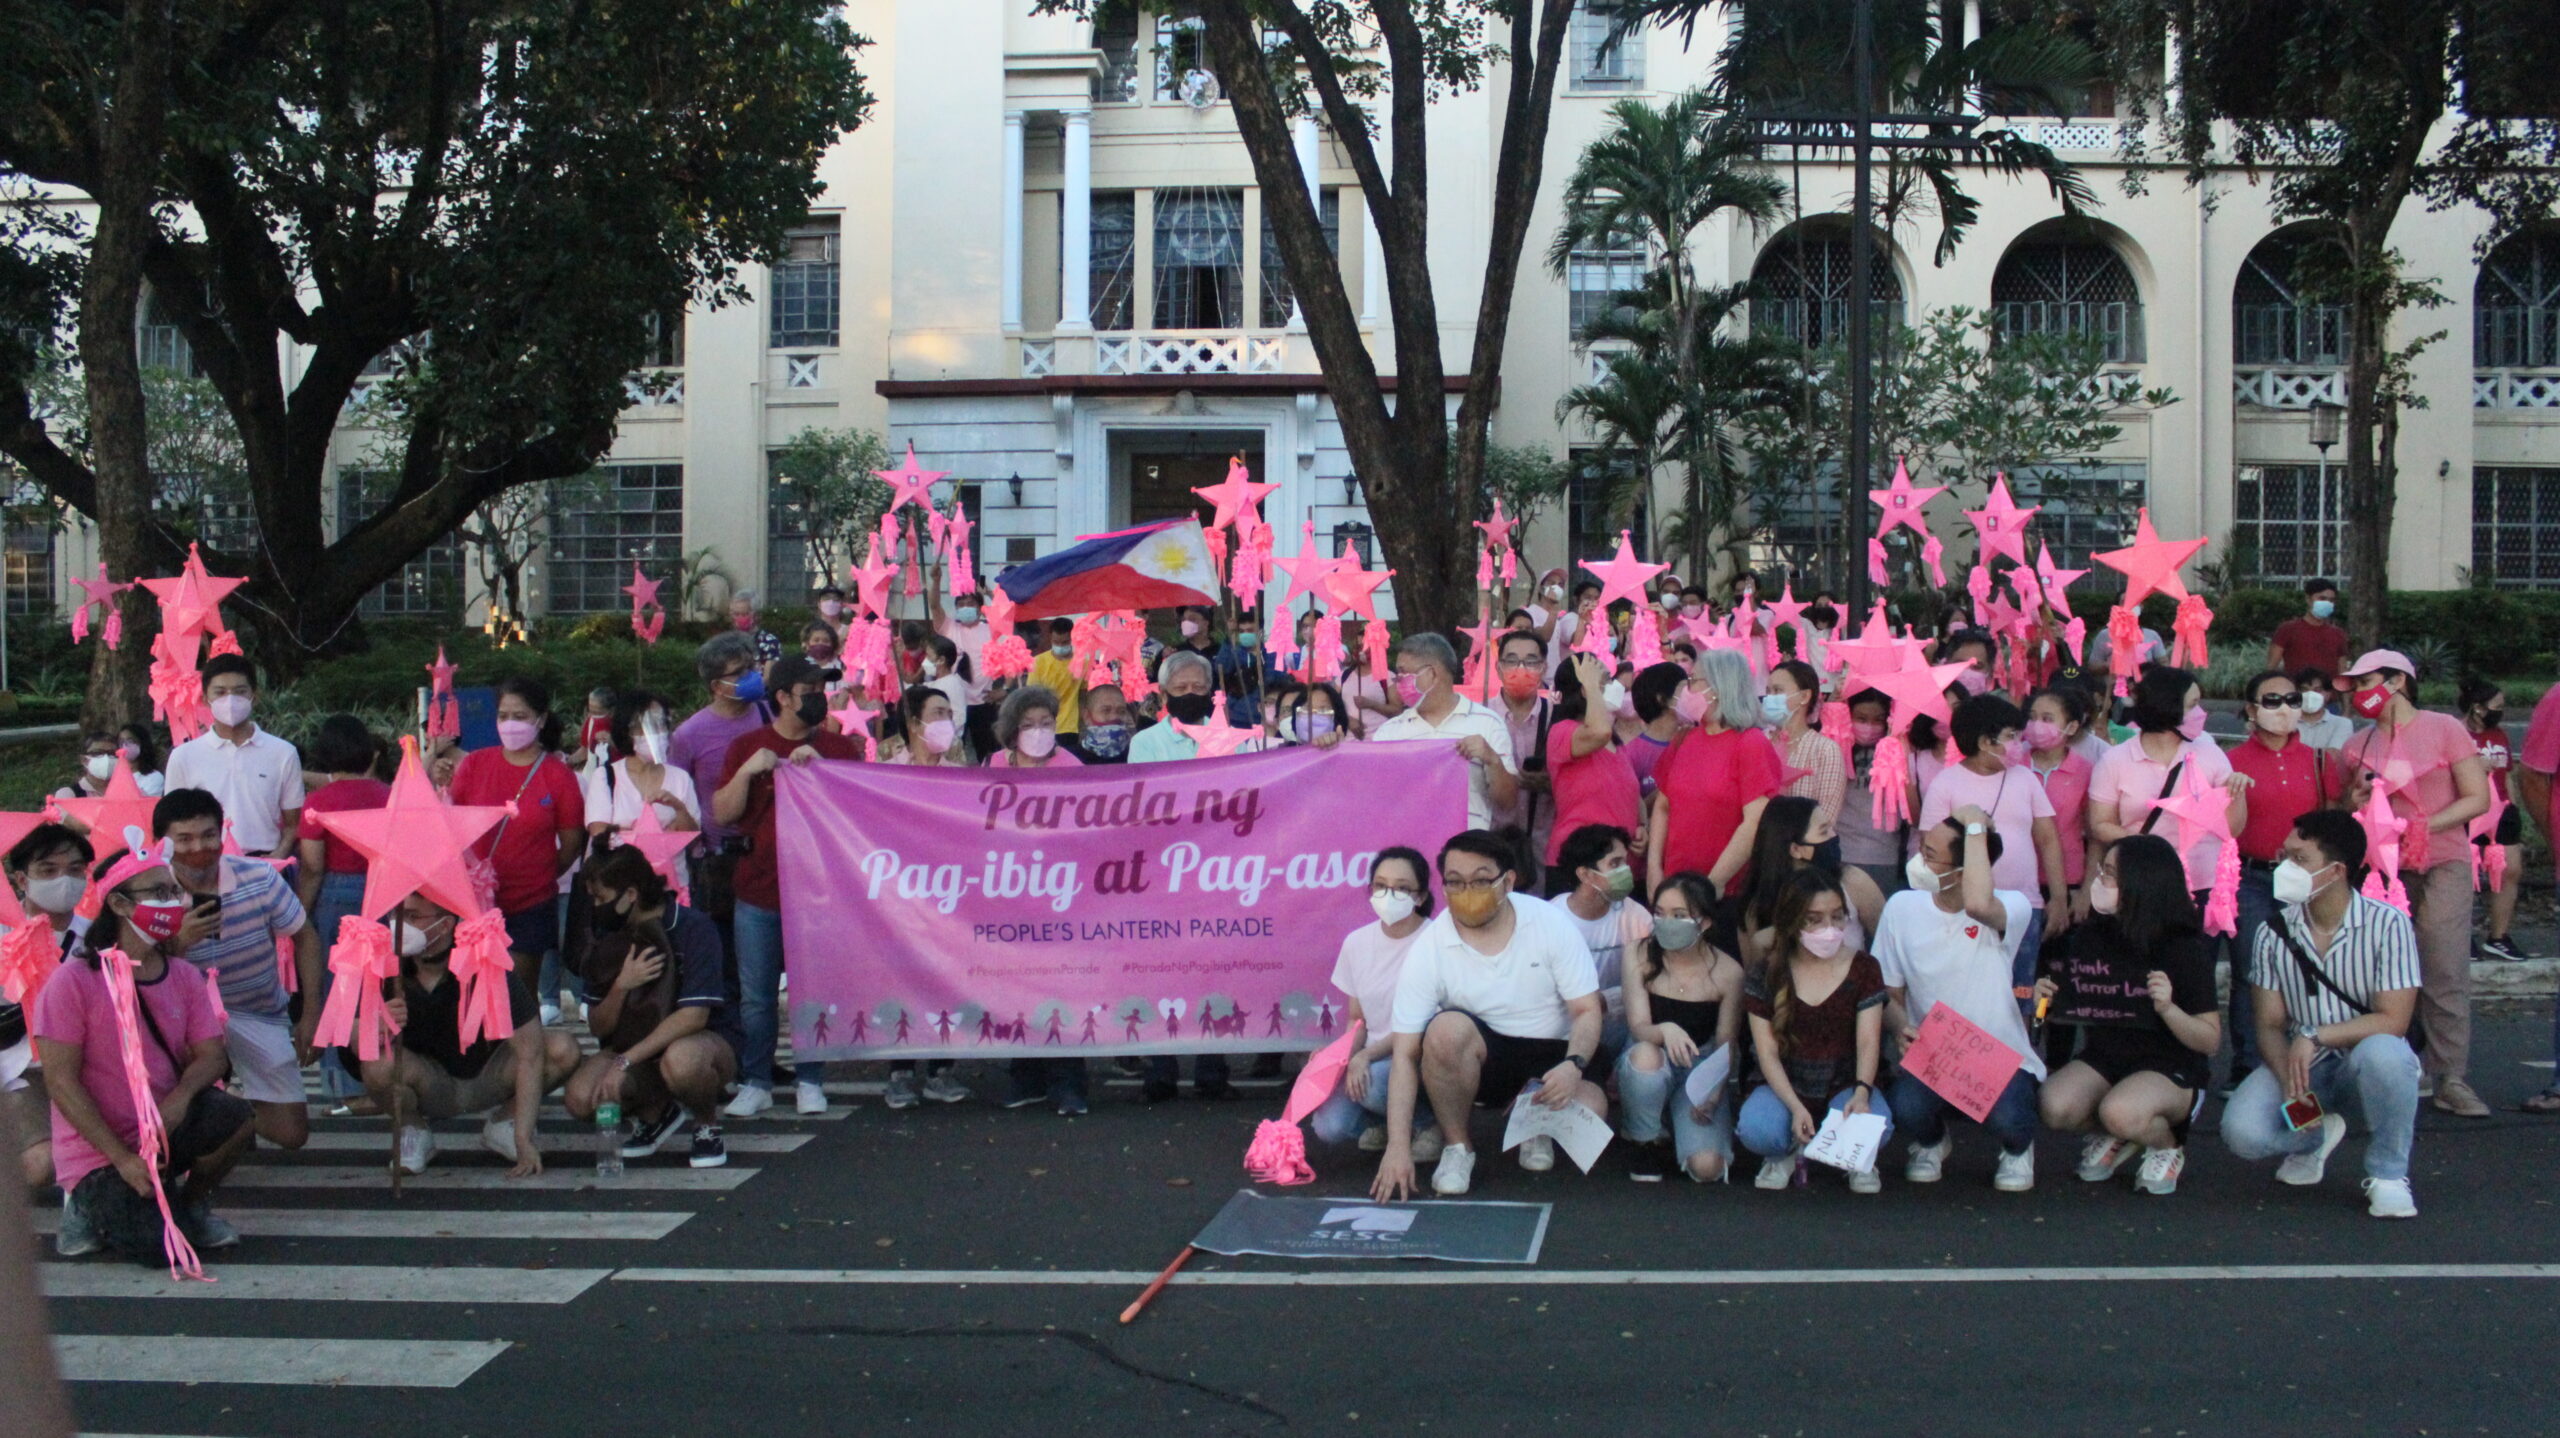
(2493, 718)
(811, 710)
(1189, 708)
(609, 919)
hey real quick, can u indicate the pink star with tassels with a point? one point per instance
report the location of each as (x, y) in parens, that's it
(660, 845)
(1623, 576)
(1236, 496)
(191, 602)
(2054, 578)
(1307, 569)
(871, 579)
(642, 589)
(2150, 563)
(910, 482)
(2001, 523)
(102, 593)
(1916, 690)
(1497, 530)
(1353, 587)
(122, 806)
(1901, 502)
(416, 843)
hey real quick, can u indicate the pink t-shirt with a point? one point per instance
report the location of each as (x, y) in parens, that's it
(971, 641)
(2416, 764)
(2014, 800)
(2068, 789)
(73, 1009)
(2541, 751)
(1598, 788)
(2129, 779)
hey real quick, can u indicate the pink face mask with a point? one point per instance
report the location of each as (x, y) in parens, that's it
(742, 622)
(1408, 689)
(2042, 734)
(1824, 942)
(1866, 733)
(518, 733)
(939, 735)
(1690, 705)
(1037, 743)
(2192, 727)
(1974, 681)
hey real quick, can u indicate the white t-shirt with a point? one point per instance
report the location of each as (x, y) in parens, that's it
(1956, 959)
(259, 781)
(621, 807)
(1465, 718)
(1607, 936)
(1367, 969)
(1520, 993)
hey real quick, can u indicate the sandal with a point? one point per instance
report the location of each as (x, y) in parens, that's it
(2547, 1101)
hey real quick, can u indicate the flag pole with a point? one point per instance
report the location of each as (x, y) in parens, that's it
(1130, 1313)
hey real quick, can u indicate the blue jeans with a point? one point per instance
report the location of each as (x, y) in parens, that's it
(760, 996)
(1340, 1119)
(2375, 1082)
(1922, 1114)
(340, 896)
(1767, 1129)
(2257, 910)
(1645, 1094)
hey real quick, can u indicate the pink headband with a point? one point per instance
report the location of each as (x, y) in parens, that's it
(138, 857)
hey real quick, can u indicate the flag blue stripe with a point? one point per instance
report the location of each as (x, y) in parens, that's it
(1024, 581)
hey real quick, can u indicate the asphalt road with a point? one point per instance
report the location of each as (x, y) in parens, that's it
(520, 1335)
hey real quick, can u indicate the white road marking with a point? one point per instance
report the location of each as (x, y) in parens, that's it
(325, 1283)
(336, 1362)
(640, 1227)
(1599, 1278)
(550, 1180)
(378, 1142)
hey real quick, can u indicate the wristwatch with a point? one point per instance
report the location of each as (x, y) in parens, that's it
(1579, 1062)
(1972, 829)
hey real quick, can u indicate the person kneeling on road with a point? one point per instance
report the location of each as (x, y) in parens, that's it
(430, 1074)
(2336, 979)
(1816, 1008)
(1497, 995)
(668, 1045)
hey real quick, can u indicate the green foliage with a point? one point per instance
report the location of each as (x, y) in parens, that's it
(570, 659)
(824, 476)
(1525, 477)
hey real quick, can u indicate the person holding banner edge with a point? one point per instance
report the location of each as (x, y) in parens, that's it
(1366, 971)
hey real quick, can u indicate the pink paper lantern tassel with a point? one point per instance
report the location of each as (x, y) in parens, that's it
(481, 964)
(1876, 571)
(1933, 553)
(2188, 632)
(151, 1139)
(1888, 778)
(1278, 1154)
(2124, 645)
(359, 962)
(1373, 641)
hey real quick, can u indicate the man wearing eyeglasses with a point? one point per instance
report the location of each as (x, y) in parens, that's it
(1498, 993)
(2288, 779)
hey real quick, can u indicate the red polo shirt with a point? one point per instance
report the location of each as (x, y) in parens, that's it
(759, 876)
(2285, 784)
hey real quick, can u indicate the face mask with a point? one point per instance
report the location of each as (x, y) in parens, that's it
(1823, 942)
(2042, 734)
(1247, 638)
(2493, 718)
(1553, 592)
(929, 669)
(159, 922)
(1670, 601)
(1615, 696)
(2293, 884)
(132, 753)
(101, 767)
(939, 735)
(1106, 741)
(811, 710)
(613, 917)
(1692, 611)
(2191, 725)
(1310, 727)
(58, 895)
(966, 614)
(2313, 701)
(231, 710)
(1037, 743)
(1917, 873)
(748, 688)
(2279, 721)
(831, 608)
(1476, 908)
(1674, 934)
(1520, 683)
(1191, 629)
(1690, 705)
(1063, 651)
(1974, 681)
(518, 733)
(819, 653)
(1189, 708)
(742, 622)
(2323, 608)
(2102, 896)
(1866, 734)
(2371, 702)
(1408, 690)
(1394, 906)
(1619, 882)
(415, 941)
(1774, 709)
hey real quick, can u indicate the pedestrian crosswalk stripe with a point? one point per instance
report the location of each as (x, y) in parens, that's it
(378, 1142)
(1606, 1278)
(324, 1283)
(642, 1176)
(337, 1362)
(550, 1224)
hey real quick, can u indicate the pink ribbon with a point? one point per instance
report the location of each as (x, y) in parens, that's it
(360, 961)
(481, 964)
(151, 1140)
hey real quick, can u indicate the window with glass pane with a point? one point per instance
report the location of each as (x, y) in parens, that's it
(2272, 323)
(2515, 527)
(1600, 482)
(1276, 293)
(1182, 45)
(427, 587)
(807, 285)
(2515, 314)
(2086, 508)
(1596, 276)
(1115, 34)
(159, 343)
(666, 340)
(1799, 532)
(1113, 258)
(32, 521)
(1597, 63)
(789, 571)
(1199, 259)
(2293, 518)
(2077, 288)
(624, 513)
(1802, 288)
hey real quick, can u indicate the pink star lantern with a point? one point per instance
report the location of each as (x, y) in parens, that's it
(2150, 563)
(2204, 812)
(853, 721)
(1702, 627)
(444, 712)
(2001, 523)
(660, 845)
(1479, 662)
(1920, 688)
(1787, 609)
(1901, 502)
(1236, 496)
(997, 610)
(871, 580)
(1307, 569)
(2054, 578)
(101, 592)
(191, 603)
(912, 483)
(1217, 738)
(642, 589)
(956, 552)
(123, 806)
(1353, 586)
(416, 843)
(1623, 576)
(1876, 650)
(1497, 530)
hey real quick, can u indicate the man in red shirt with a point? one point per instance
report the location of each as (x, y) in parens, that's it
(744, 802)
(2311, 641)
(2287, 779)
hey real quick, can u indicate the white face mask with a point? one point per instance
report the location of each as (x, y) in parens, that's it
(57, 895)
(1614, 694)
(231, 710)
(2313, 701)
(1917, 873)
(2278, 720)
(1392, 906)
(102, 767)
(2102, 896)
(2293, 884)
(414, 941)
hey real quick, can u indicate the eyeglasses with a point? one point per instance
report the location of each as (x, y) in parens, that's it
(1395, 889)
(1521, 661)
(1469, 886)
(2280, 701)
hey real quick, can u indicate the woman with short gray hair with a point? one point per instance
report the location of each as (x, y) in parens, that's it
(1713, 781)
(1027, 732)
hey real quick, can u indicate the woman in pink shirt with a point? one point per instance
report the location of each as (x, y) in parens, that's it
(1593, 782)
(2169, 747)
(2056, 718)
(1027, 732)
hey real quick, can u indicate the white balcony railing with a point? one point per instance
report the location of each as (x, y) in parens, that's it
(2075, 136)
(659, 389)
(2515, 389)
(1189, 354)
(1039, 358)
(2290, 388)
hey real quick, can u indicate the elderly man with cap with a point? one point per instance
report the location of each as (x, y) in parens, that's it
(2431, 773)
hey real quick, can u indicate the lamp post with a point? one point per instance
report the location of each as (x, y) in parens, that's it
(2326, 421)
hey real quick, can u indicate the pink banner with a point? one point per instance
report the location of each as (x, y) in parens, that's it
(1141, 908)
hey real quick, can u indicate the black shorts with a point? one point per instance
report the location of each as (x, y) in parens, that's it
(2195, 1071)
(2510, 828)
(128, 1222)
(1510, 1064)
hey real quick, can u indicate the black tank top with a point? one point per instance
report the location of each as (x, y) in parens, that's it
(1696, 1017)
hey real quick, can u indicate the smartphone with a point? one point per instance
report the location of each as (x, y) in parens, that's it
(2303, 1112)
(202, 900)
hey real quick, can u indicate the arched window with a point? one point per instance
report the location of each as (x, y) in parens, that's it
(2515, 304)
(2069, 287)
(2272, 323)
(1800, 287)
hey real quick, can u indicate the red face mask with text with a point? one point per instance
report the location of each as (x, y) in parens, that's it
(2371, 702)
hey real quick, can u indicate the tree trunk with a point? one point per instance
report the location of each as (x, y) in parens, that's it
(2369, 501)
(110, 304)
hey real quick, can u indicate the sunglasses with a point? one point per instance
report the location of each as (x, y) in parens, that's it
(2279, 701)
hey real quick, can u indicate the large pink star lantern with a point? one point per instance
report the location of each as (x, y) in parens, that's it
(871, 580)
(191, 602)
(1353, 587)
(1236, 496)
(106, 818)
(2203, 812)
(2001, 523)
(956, 552)
(2150, 563)
(1901, 502)
(1307, 569)
(911, 482)
(642, 589)
(1786, 609)
(1918, 689)
(1623, 576)
(2054, 578)
(1217, 738)
(1876, 650)
(416, 843)
(661, 846)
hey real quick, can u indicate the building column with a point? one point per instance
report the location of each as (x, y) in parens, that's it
(1075, 252)
(1303, 133)
(1972, 33)
(1010, 305)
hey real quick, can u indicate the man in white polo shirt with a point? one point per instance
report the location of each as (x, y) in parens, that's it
(1497, 995)
(257, 776)
(1427, 682)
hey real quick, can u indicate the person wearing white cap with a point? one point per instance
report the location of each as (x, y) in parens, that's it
(2431, 772)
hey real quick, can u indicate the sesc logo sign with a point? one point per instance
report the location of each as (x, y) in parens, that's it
(1310, 1227)
(1363, 1222)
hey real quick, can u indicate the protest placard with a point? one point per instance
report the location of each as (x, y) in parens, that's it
(1961, 1061)
(2112, 990)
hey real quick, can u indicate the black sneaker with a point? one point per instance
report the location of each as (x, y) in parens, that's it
(2503, 950)
(1651, 1162)
(647, 1136)
(708, 1150)
(1157, 1091)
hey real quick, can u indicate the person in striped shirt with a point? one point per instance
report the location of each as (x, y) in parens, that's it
(2336, 982)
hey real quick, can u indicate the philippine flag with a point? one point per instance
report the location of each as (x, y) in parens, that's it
(1152, 567)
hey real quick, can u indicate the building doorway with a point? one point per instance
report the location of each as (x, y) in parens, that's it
(1157, 470)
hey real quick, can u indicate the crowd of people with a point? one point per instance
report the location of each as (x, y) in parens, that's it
(1664, 867)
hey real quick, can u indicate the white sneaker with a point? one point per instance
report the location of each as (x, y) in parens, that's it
(1928, 1161)
(1867, 1182)
(1427, 1143)
(2160, 1170)
(2305, 1169)
(1776, 1172)
(417, 1145)
(1455, 1170)
(812, 1098)
(2017, 1172)
(2389, 1198)
(749, 1102)
(551, 1016)
(2102, 1155)
(498, 1135)
(1537, 1154)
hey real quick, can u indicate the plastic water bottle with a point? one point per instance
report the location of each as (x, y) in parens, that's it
(608, 1140)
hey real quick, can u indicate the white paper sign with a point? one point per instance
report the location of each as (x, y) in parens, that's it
(1848, 1141)
(1581, 1133)
(1707, 1076)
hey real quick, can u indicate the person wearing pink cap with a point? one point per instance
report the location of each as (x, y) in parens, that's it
(2431, 772)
